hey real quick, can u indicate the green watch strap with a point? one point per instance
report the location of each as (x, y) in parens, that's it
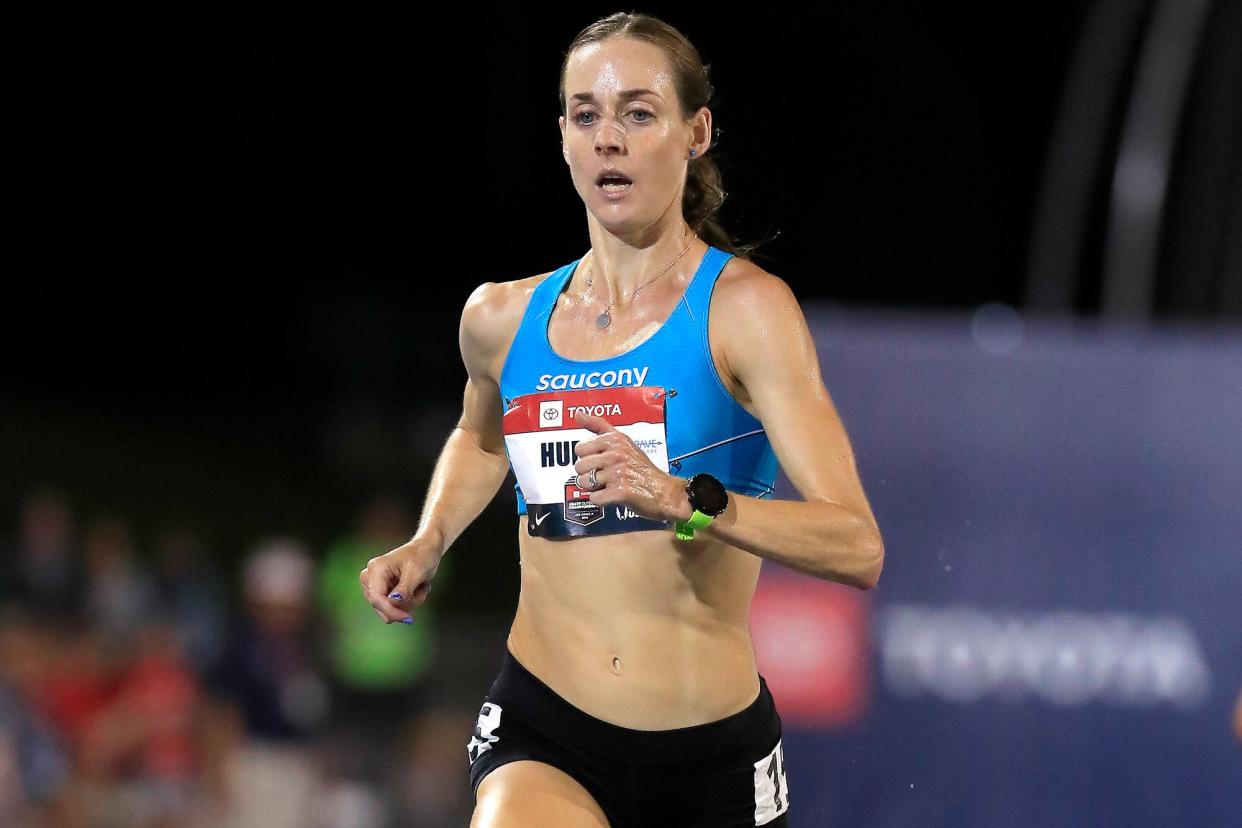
(698, 520)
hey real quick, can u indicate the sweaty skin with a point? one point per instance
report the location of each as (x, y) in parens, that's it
(639, 629)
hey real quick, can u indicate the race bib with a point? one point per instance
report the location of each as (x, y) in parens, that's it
(540, 436)
(771, 789)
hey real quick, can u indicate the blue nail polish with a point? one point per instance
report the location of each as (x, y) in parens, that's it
(407, 620)
(396, 596)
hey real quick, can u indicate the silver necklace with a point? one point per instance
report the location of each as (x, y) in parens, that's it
(605, 318)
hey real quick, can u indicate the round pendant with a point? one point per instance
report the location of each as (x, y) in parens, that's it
(603, 320)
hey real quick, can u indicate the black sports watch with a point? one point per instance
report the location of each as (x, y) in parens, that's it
(708, 498)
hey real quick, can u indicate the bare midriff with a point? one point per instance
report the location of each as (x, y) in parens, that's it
(638, 629)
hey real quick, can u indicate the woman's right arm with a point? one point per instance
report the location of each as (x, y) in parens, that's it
(471, 466)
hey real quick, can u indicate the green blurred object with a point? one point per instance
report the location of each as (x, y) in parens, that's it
(366, 653)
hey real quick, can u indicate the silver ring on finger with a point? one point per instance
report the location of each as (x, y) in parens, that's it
(592, 480)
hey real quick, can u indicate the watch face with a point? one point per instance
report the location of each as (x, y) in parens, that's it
(707, 494)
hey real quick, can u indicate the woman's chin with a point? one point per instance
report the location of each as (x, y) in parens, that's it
(618, 218)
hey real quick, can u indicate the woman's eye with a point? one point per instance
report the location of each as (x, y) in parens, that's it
(647, 116)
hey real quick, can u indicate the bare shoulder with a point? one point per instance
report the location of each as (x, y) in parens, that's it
(755, 323)
(750, 308)
(490, 320)
(743, 288)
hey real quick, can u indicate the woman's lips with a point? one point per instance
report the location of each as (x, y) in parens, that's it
(613, 191)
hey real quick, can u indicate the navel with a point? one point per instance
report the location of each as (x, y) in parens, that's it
(616, 665)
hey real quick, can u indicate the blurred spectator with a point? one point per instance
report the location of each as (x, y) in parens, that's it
(45, 565)
(71, 675)
(121, 594)
(273, 696)
(141, 761)
(380, 672)
(125, 712)
(193, 595)
(147, 705)
(34, 765)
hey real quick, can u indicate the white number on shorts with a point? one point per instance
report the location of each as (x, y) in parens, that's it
(484, 731)
(771, 789)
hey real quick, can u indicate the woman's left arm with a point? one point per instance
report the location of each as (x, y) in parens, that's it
(832, 534)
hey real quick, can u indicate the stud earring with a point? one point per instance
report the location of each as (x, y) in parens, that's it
(692, 152)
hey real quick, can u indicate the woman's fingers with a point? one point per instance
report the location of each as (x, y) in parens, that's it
(410, 592)
(377, 579)
(603, 460)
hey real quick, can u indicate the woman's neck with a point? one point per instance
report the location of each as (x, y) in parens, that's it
(618, 267)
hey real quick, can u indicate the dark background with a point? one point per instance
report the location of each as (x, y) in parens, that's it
(237, 241)
(240, 235)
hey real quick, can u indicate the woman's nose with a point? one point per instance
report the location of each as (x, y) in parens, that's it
(609, 136)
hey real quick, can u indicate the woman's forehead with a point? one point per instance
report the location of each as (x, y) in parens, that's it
(617, 65)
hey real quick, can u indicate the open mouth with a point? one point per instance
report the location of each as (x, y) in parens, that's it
(613, 183)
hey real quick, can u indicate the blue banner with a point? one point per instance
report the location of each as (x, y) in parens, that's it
(1056, 638)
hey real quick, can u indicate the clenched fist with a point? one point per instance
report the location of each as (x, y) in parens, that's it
(398, 581)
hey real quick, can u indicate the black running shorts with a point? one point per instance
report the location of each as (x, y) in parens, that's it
(729, 773)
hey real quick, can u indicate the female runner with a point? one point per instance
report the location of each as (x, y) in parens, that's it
(643, 395)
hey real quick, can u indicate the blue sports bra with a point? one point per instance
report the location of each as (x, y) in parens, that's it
(704, 428)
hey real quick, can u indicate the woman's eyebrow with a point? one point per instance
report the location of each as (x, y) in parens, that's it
(624, 95)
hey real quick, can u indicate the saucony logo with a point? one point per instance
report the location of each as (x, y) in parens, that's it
(592, 379)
